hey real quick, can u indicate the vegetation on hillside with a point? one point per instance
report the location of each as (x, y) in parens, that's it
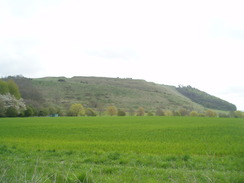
(92, 96)
(10, 87)
(31, 94)
(205, 99)
(11, 104)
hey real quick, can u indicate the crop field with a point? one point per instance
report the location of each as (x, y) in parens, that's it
(121, 149)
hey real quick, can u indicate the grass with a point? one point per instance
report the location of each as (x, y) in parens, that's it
(123, 93)
(121, 149)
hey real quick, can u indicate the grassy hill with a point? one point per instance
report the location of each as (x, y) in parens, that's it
(100, 92)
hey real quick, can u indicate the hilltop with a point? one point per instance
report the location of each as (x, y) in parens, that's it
(125, 93)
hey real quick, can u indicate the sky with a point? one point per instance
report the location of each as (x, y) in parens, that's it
(190, 42)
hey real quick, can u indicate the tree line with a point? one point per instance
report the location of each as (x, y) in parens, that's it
(112, 110)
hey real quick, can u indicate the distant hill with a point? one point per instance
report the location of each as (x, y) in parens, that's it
(205, 99)
(124, 93)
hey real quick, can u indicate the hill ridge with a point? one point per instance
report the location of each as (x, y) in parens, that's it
(99, 92)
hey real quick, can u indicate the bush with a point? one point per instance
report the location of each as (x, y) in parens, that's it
(2, 109)
(90, 112)
(11, 112)
(150, 114)
(238, 114)
(28, 112)
(194, 113)
(183, 112)
(8, 100)
(168, 113)
(140, 111)
(76, 110)
(43, 112)
(112, 110)
(210, 113)
(121, 113)
(223, 115)
(159, 112)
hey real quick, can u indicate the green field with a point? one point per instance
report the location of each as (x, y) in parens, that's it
(121, 149)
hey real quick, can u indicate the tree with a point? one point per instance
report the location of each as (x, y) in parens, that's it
(223, 115)
(28, 112)
(2, 108)
(100, 108)
(238, 114)
(29, 92)
(121, 113)
(112, 110)
(140, 111)
(43, 112)
(168, 113)
(13, 89)
(52, 110)
(150, 113)
(11, 112)
(90, 112)
(9, 100)
(176, 113)
(159, 112)
(193, 113)
(183, 112)
(131, 112)
(3, 87)
(210, 113)
(76, 110)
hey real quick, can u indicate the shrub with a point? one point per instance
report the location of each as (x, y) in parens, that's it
(168, 113)
(28, 112)
(159, 112)
(9, 100)
(2, 109)
(43, 112)
(76, 110)
(223, 115)
(112, 110)
(121, 113)
(238, 114)
(183, 112)
(140, 111)
(150, 114)
(194, 113)
(210, 113)
(90, 112)
(11, 112)
(13, 89)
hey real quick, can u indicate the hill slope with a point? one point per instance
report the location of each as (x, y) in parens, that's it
(205, 99)
(99, 92)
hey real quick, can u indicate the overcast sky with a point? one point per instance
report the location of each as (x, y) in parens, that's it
(190, 42)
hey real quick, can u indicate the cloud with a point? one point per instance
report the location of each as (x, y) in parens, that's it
(170, 42)
(19, 66)
(233, 94)
(119, 53)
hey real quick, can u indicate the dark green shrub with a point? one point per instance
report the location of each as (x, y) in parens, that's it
(28, 112)
(121, 113)
(90, 112)
(11, 112)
